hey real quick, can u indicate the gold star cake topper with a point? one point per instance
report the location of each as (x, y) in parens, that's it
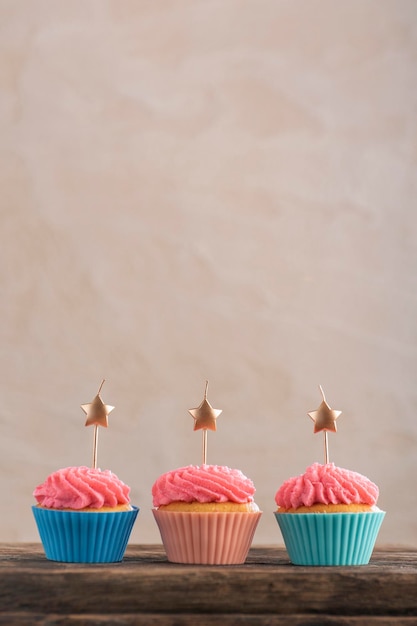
(205, 419)
(205, 416)
(97, 415)
(324, 419)
(97, 412)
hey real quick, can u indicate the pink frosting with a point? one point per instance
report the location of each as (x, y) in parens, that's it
(80, 487)
(204, 483)
(326, 484)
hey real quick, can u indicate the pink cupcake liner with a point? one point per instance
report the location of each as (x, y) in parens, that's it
(212, 538)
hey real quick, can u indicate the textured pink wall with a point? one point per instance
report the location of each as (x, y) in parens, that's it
(222, 190)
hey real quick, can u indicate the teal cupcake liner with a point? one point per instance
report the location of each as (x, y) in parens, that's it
(84, 537)
(330, 538)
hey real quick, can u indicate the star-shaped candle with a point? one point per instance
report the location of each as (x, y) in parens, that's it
(324, 419)
(205, 419)
(97, 415)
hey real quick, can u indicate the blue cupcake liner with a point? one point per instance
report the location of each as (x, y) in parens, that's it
(330, 538)
(84, 537)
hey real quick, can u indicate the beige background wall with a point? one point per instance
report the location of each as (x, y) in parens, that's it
(203, 189)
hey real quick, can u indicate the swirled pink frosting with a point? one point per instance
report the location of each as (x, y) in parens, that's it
(80, 487)
(204, 483)
(326, 484)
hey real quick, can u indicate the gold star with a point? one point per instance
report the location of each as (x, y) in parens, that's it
(97, 412)
(205, 416)
(325, 417)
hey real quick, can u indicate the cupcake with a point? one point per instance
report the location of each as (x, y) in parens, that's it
(328, 516)
(206, 514)
(84, 515)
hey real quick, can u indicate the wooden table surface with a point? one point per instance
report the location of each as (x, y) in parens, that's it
(146, 589)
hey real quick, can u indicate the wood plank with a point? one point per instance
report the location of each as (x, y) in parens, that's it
(267, 587)
(183, 619)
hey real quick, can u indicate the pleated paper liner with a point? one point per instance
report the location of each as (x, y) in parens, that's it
(84, 537)
(216, 538)
(330, 538)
